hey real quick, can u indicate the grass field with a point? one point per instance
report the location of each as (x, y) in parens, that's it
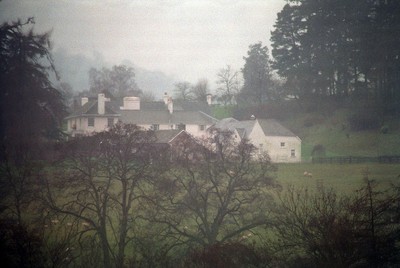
(345, 178)
(334, 134)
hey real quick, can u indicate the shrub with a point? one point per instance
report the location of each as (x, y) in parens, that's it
(19, 247)
(384, 129)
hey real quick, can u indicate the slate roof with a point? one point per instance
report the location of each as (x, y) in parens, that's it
(243, 128)
(141, 117)
(154, 112)
(90, 108)
(270, 127)
(165, 136)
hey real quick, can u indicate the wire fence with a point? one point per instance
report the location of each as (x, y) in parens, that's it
(390, 159)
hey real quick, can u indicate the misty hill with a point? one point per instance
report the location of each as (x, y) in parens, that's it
(73, 69)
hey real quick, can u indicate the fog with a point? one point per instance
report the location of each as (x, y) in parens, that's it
(185, 40)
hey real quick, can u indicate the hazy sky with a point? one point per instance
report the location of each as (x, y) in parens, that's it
(189, 39)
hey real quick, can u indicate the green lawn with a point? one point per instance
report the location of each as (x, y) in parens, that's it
(344, 178)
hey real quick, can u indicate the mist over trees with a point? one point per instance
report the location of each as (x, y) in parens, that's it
(119, 81)
(188, 92)
(73, 69)
(183, 91)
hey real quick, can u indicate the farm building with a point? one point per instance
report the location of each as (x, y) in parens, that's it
(268, 136)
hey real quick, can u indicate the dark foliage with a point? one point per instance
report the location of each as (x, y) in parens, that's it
(345, 50)
(227, 255)
(31, 109)
(19, 247)
(318, 150)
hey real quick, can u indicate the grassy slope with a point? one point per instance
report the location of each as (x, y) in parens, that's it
(333, 133)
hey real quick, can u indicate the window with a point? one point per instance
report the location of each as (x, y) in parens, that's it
(110, 122)
(293, 153)
(90, 122)
(283, 144)
(155, 127)
(202, 127)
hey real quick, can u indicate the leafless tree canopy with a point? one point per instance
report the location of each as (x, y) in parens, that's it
(213, 193)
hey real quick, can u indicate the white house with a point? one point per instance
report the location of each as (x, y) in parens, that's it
(94, 115)
(268, 136)
(99, 114)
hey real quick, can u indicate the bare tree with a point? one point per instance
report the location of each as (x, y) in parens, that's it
(200, 90)
(316, 228)
(229, 84)
(182, 91)
(100, 185)
(215, 192)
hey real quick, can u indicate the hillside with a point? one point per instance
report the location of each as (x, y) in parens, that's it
(331, 130)
(334, 134)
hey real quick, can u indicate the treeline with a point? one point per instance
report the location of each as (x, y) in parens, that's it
(343, 50)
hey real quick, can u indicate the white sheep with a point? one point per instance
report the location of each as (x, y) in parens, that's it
(307, 174)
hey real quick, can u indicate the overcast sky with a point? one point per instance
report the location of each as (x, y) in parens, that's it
(189, 39)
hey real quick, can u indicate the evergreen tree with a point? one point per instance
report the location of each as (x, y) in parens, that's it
(30, 106)
(256, 74)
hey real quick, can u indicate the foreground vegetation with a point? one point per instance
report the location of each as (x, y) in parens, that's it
(117, 199)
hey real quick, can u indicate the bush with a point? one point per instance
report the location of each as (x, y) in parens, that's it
(364, 121)
(384, 129)
(318, 150)
(19, 247)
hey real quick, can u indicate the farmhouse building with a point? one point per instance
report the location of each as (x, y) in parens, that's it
(267, 135)
(99, 114)
(169, 117)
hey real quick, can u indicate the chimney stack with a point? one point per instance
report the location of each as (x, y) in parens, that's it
(170, 105)
(165, 98)
(101, 103)
(209, 99)
(131, 103)
(84, 100)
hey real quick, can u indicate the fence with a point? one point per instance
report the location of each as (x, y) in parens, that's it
(356, 159)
